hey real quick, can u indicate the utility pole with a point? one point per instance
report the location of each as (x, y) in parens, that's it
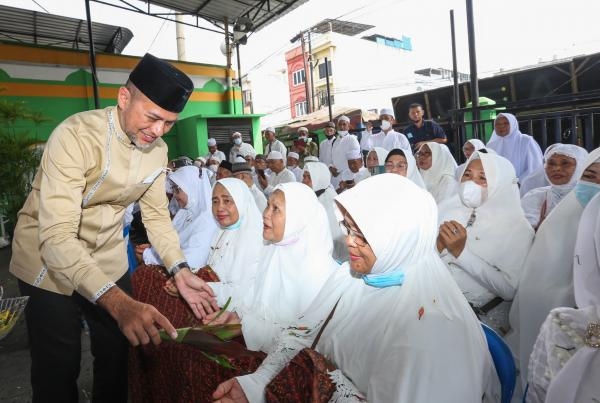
(306, 74)
(473, 69)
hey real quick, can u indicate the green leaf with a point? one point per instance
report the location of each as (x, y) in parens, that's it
(221, 360)
(221, 311)
(180, 334)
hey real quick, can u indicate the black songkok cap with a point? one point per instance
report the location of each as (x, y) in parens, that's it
(241, 167)
(225, 164)
(165, 85)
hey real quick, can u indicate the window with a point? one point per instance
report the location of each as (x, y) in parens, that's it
(322, 69)
(301, 108)
(299, 77)
(323, 99)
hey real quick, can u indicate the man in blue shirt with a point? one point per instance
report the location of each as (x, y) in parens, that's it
(420, 131)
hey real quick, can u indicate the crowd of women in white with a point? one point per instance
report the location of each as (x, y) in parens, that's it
(403, 258)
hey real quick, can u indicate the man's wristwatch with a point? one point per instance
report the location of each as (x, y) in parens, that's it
(177, 268)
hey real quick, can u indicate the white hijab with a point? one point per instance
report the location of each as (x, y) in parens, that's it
(194, 222)
(500, 235)
(520, 149)
(321, 181)
(547, 279)
(439, 178)
(478, 145)
(235, 250)
(571, 374)
(291, 271)
(533, 201)
(398, 343)
(412, 172)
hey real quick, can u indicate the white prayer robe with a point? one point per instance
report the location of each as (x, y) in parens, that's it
(394, 344)
(533, 202)
(275, 179)
(520, 149)
(439, 178)
(547, 279)
(321, 183)
(291, 271)
(569, 373)
(194, 223)
(243, 150)
(390, 140)
(234, 252)
(498, 240)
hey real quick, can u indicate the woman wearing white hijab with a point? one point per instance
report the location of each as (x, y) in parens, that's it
(194, 221)
(547, 279)
(565, 363)
(293, 266)
(437, 167)
(317, 176)
(376, 160)
(484, 236)
(400, 324)
(236, 246)
(468, 149)
(520, 149)
(402, 162)
(563, 166)
(538, 178)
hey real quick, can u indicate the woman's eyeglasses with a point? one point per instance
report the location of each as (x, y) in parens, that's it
(391, 165)
(423, 154)
(358, 238)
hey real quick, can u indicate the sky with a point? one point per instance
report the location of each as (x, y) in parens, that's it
(509, 33)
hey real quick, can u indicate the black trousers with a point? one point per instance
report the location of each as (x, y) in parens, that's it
(54, 330)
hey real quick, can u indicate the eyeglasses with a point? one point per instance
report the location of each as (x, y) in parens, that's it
(391, 165)
(358, 238)
(423, 154)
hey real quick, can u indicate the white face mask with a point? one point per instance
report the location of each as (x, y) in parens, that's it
(473, 195)
(237, 141)
(213, 168)
(342, 132)
(385, 125)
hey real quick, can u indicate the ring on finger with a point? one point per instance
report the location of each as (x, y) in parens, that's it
(454, 231)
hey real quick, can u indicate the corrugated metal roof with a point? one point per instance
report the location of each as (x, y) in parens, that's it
(260, 12)
(34, 27)
(341, 27)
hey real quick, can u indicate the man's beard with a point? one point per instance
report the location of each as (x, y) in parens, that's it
(133, 138)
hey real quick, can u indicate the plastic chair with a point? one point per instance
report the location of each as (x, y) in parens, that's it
(503, 361)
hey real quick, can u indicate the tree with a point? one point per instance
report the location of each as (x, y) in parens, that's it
(19, 157)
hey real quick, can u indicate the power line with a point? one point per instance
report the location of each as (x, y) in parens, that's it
(157, 33)
(40, 6)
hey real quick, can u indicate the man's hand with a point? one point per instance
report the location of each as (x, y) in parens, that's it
(454, 236)
(262, 180)
(199, 296)
(139, 322)
(334, 171)
(229, 391)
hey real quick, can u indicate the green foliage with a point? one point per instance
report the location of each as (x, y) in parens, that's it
(19, 157)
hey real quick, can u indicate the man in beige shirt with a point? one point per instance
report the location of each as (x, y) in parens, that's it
(68, 250)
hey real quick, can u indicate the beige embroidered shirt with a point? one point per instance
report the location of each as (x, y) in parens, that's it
(69, 235)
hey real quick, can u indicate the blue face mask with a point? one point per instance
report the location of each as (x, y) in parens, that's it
(584, 191)
(236, 225)
(383, 280)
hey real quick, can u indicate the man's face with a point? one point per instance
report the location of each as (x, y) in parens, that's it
(270, 136)
(343, 125)
(292, 162)
(415, 114)
(142, 120)
(276, 165)
(212, 149)
(329, 131)
(355, 165)
(234, 137)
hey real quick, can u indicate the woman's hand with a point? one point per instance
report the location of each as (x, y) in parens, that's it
(139, 251)
(171, 288)
(230, 318)
(199, 296)
(454, 236)
(229, 391)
